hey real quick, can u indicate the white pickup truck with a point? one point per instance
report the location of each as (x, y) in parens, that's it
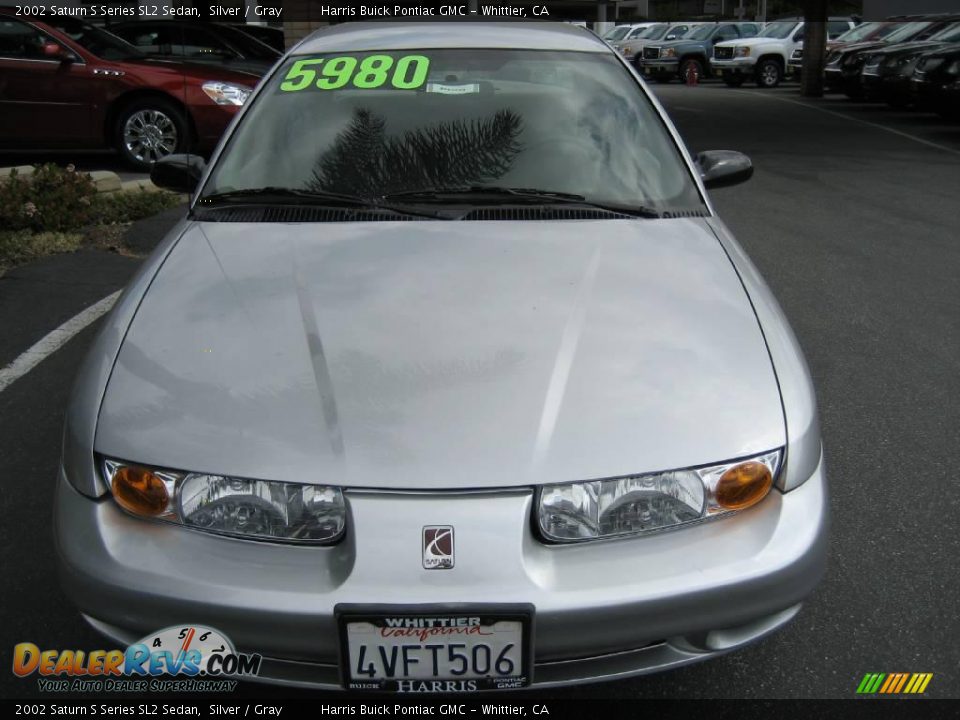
(764, 58)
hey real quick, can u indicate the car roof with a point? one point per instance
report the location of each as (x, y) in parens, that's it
(358, 37)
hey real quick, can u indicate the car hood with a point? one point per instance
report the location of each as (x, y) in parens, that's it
(201, 71)
(861, 46)
(442, 354)
(911, 47)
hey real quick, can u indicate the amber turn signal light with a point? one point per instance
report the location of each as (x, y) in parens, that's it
(743, 485)
(140, 491)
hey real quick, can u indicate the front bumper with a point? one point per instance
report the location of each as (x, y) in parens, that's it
(210, 121)
(663, 66)
(737, 66)
(833, 78)
(603, 610)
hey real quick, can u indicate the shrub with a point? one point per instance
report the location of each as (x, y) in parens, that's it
(52, 199)
(123, 207)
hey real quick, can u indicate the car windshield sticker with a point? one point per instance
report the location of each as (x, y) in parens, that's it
(453, 89)
(407, 72)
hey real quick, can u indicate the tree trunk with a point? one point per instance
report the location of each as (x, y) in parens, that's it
(814, 47)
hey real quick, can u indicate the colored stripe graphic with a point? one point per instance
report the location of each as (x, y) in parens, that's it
(894, 683)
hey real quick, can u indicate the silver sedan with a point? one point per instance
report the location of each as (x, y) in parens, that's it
(451, 380)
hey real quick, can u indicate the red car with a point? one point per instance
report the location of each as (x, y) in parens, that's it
(67, 84)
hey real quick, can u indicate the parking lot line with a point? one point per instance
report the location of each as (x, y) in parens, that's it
(928, 143)
(53, 341)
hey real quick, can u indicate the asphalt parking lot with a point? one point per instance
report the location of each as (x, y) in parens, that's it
(852, 218)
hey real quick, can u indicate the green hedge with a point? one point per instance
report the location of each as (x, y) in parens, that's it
(56, 199)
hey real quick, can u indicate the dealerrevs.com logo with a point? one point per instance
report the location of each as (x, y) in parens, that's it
(182, 658)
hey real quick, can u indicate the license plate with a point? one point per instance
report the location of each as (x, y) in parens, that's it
(449, 649)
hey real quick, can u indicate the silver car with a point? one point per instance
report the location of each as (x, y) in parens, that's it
(450, 380)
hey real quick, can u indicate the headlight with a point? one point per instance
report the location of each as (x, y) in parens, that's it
(668, 52)
(255, 509)
(741, 52)
(226, 93)
(656, 501)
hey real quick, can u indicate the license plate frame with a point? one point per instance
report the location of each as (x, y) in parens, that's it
(345, 614)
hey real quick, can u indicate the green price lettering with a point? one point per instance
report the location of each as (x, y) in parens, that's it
(337, 72)
(299, 76)
(408, 72)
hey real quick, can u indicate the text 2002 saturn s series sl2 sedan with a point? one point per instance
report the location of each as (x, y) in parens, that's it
(451, 342)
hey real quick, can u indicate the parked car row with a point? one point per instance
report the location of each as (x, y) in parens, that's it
(903, 61)
(735, 51)
(764, 58)
(67, 84)
(907, 60)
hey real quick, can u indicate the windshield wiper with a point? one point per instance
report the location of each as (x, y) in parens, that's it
(496, 193)
(283, 195)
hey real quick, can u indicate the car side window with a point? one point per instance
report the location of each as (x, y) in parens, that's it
(676, 33)
(749, 30)
(21, 41)
(198, 43)
(149, 40)
(836, 28)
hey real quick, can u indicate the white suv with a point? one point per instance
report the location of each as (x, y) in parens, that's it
(764, 57)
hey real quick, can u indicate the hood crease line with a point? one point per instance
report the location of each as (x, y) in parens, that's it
(569, 342)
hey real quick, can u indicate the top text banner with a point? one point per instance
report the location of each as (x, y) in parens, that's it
(280, 11)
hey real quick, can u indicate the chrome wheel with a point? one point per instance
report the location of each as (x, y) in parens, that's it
(149, 135)
(769, 75)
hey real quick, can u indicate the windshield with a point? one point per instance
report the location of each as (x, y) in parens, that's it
(617, 33)
(951, 33)
(700, 33)
(655, 32)
(99, 42)
(859, 32)
(249, 46)
(778, 30)
(373, 124)
(907, 31)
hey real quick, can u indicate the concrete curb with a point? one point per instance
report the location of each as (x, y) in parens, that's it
(106, 181)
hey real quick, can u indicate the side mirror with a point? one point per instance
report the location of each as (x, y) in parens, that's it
(57, 52)
(720, 168)
(179, 172)
(798, 37)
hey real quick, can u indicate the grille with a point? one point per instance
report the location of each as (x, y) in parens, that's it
(651, 53)
(723, 53)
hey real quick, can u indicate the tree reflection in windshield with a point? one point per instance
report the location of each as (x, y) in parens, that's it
(365, 162)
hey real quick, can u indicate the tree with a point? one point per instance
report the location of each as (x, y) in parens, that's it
(814, 47)
(365, 161)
